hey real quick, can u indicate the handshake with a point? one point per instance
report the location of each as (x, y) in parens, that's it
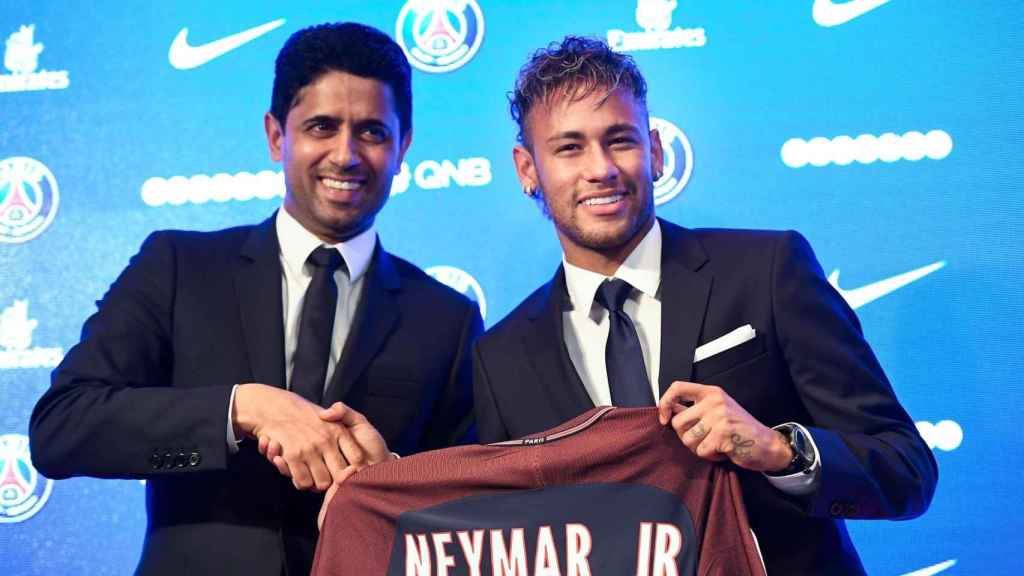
(316, 447)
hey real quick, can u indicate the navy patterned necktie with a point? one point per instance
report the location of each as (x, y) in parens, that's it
(316, 325)
(623, 357)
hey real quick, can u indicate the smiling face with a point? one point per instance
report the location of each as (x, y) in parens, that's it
(339, 148)
(593, 160)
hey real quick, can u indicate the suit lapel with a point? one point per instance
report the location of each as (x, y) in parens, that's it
(258, 288)
(545, 347)
(375, 318)
(684, 293)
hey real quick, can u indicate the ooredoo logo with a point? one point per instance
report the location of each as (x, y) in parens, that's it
(440, 35)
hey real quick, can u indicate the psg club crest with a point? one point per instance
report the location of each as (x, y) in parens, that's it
(678, 161)
(28, 199)
(23, 492)
(462, 282)
(440, 35)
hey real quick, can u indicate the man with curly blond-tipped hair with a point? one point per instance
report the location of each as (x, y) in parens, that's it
(735, 335)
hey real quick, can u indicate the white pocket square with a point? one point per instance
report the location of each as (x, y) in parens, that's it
(723, 343)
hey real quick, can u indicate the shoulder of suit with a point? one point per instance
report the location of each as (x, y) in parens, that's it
(722, 241)
(188, 238)
(518, 319)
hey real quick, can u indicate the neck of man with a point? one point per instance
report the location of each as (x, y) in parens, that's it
(604, 261)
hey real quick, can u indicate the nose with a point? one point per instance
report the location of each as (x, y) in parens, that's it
(599, 166)
(344, 151)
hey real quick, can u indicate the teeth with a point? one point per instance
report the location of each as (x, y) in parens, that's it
(604, 200)
(341, 184)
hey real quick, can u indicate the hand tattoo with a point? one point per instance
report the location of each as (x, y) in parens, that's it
(699, 431)
(740, 447)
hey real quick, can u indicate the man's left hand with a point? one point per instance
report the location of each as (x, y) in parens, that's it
(715, 427)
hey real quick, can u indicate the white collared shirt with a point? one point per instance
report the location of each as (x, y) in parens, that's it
(586, 325)
(586, 330)
(296, 244)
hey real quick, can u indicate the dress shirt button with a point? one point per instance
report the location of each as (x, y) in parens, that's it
(194, 459)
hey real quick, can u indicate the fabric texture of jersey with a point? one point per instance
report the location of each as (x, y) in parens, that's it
(610, 492)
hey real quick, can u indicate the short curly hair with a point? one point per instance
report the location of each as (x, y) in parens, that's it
(576, 68)
(344, 47)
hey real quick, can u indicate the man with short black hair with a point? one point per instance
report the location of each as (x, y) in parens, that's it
(245, 371)
(757, 361)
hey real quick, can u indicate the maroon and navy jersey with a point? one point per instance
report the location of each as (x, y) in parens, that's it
(609, 493)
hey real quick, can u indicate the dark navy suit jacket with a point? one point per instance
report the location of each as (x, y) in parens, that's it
(145, 393)
(809, 363)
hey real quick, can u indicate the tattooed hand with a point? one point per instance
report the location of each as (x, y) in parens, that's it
(715, 427)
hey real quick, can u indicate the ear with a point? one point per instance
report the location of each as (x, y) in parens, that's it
(657, 155)
(402, 148)
(275, 135)
(526, 168)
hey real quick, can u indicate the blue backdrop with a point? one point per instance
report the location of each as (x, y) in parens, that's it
(888, 132)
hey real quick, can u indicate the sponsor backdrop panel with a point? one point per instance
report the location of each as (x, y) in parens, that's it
(888, 132)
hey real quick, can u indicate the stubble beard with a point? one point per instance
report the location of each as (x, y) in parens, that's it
(602, 240)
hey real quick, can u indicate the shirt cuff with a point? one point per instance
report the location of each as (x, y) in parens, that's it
(803, 482)
(232, 441)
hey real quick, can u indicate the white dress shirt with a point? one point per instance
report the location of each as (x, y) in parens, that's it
(296, 244)
(586, 329)
(586, 325)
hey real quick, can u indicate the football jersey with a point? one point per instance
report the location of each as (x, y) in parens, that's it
(611, 492)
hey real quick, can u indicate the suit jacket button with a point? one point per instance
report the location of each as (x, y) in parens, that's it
(194, 459)
(836, 509)
(851, 510)
(179, 460)
(156, 461)
(168, 460)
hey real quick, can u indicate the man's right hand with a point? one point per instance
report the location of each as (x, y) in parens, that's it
(292, 435)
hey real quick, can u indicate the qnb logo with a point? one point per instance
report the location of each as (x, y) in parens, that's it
(202, 188)
(23, 492)
(945, 435)
(655, 17)
(21, 57)
(440, 35)
(866, 149)
(678, 160)
(433, 174)
(462, 282)
(28, 199)
(16, 350)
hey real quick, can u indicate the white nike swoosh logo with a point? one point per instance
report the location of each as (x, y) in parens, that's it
(934, 569)
(858, 297)
(828, 13)
(184, 56)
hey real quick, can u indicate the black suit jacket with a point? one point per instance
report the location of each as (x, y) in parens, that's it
(145, 393)
(809, 364)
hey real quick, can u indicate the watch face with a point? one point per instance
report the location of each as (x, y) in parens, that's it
(801, 447)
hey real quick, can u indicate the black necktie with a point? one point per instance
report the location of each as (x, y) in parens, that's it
(316, 325)
(623, 357)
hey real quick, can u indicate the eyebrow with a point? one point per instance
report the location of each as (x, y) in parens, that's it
(613, 129)
(321, 118)
(335, 121)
